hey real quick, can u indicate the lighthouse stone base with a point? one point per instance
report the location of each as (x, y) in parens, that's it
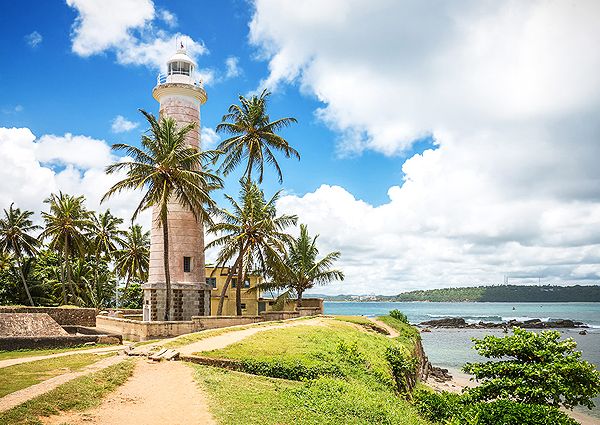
(187, 300)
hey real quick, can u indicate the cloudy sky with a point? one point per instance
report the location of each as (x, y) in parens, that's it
(443, 143)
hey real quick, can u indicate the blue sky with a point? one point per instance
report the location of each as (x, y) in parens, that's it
(442, 143)
(60, 92)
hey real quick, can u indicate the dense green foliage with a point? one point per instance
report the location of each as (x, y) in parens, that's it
(505, 293)
(398, 315)
(536, 368)
(455, 409)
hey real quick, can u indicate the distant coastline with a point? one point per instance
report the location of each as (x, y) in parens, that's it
(494, 293)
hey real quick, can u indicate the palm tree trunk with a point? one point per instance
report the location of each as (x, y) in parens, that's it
(62, 281)
(238, 290)
(227, 282)
(299, 299)
(20, 266)
(165, 226)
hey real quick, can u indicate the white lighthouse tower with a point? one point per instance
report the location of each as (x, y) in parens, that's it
(180, 96)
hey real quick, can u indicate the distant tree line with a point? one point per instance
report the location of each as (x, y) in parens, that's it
(506, 293)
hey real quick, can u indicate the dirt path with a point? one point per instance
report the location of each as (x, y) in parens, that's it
(14, 399)
(222, 341)
(162, 393)
(393, 332)
(11, 362)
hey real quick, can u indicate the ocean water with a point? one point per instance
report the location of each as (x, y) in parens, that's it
(452, 348)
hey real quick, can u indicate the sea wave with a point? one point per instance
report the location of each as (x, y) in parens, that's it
(468, 318)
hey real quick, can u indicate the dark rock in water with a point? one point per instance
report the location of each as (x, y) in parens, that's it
(439, 374)
(459, 322)
(425, 330)
(448, 322)
(583, 332)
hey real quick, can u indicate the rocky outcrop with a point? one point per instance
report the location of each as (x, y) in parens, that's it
(459, 322)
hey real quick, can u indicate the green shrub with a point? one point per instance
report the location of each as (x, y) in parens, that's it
(295, 371)
(437, 407)
(350, 353)
(398, 315)
(404, 369)
(534, 368)
(507, 412)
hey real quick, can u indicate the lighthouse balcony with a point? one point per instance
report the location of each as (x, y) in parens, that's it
(179, 78)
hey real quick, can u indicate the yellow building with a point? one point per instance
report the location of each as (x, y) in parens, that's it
(253, 303)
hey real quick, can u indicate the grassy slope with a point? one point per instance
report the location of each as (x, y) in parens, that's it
(79, 394)
(362, 394)
(17, 354)
(14, 378)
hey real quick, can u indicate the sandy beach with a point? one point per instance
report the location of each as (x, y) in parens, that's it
(461, 380)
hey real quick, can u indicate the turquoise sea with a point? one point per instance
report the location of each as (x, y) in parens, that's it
(451, 348)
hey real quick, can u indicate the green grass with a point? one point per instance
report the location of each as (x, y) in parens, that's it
(335, 349)
(16, 354)
(17, 377)
(199, 336)
(364, 322)
(238, 399)
(79, 394)
(408, 334)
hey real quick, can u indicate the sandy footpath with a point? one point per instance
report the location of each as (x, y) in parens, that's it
(19, 360)
(221, 341)
(158, 393)
(14, 399)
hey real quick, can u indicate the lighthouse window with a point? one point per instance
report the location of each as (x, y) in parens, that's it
(187, 264)
(179, 68)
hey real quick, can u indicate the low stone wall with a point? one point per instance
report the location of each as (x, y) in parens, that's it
(279, 315)
(309, 311)
(45, 342)
(214, 322)
(135, 330)
(316, 303)
(63, 316)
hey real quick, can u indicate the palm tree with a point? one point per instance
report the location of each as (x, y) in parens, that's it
(168, 169)
(15, 238)
(67, 225)
(253, 137)
(104, 236)
(300, 268)
(251, 233)
(132, 261)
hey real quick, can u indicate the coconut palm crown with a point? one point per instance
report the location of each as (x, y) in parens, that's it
(15, 238)
(167, 169)
(253, 137)
(251, 232)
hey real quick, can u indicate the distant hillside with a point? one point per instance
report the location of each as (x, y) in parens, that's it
(506, 293)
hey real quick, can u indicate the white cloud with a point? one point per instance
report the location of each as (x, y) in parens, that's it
(169, 18)
(34, 39)
(209, 137)
(509, 92)
(120, 124)
(30, 170)
(233, 67)
(129, 29)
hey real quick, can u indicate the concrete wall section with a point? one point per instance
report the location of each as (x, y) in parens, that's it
(62, 316)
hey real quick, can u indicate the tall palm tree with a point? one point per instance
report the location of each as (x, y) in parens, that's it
(168, 169)
(251, 232)
(132, 261)
(300, 268)
(67, 225)
(104, 237)
(15, 237)
(253, 137)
